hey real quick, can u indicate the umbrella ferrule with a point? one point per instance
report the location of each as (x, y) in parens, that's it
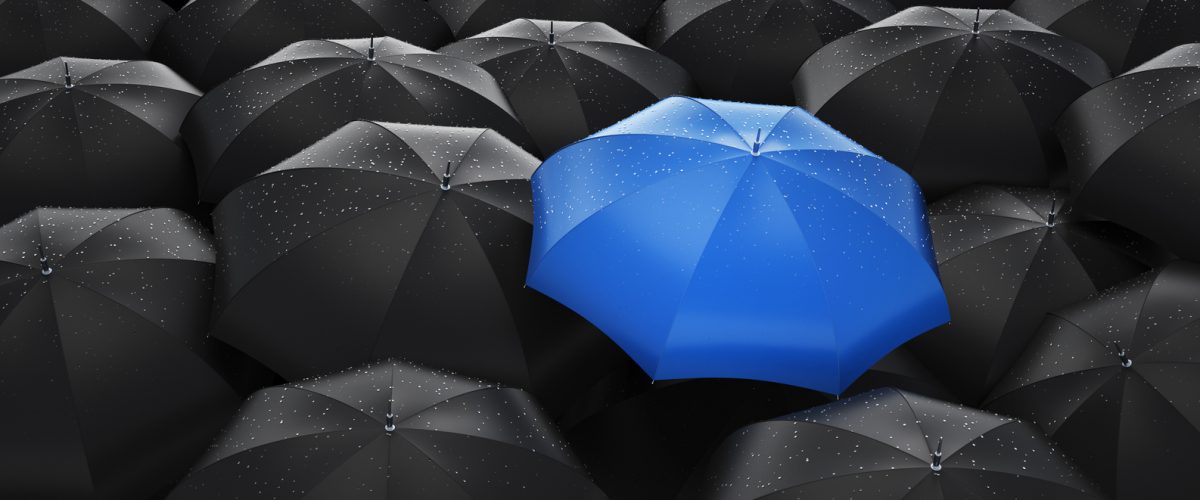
(975, 27)
(44, 261)
(1126, 361)
(937, 457)
(390, 424)
(67, 80)
(550, 36)
(371, 50)
(446, 178)
(757, 146)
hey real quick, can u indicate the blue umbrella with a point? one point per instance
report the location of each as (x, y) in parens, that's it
(720, 239)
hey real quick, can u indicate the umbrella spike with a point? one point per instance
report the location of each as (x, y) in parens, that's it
(1126, 361)
(754, 150)
(446, 178)
(551, 32)
(67, 74)
(1053, 212)
(44, 261)
(390, 425)
(371, 50)
(975, 28)
(937, 457)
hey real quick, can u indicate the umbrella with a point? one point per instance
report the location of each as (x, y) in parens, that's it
(567, 80)
(890, 444)
(109, 384)
(397, 240)
(1126, 33)
(209, 41)
(1007, 257)
(712, 239)
(32, 31)
(1132, 152)
(88, 132)
(1113, 380)
(271, 111)
(389, 431)
(471, 17)
(750, 50)
(954, 96)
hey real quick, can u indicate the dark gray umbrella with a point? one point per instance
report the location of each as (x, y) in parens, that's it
(32, 31)
(1132, 151)
(1113, 380)
(472, 17)
(749, 50)
(889, 444)
(110, 386)
(954, 96)
(389, 431)
(271, 111)
(567, 80)
(94, 133)
(1007, 256)
(209, 41)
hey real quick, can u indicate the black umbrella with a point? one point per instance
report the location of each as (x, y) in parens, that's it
(209, 41)
(302, 93)
(472, 17)
(1132, 152)
(1113, 380)
(1007, 256)
(750, 50)
(954, 96)
(109, 385)
(398, 240)
(97, 133)
(567, 80)
(1126, 33)
(32, 31)
(891, 444)
(389, 431)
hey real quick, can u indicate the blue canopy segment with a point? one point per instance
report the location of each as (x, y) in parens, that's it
(720, 239)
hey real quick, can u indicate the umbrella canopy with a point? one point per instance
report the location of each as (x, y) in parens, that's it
(1113, 380)
(32, 31)
(567, 80)
(954, 96)
(962, 4)
(397, 240)
(209, 41)
(1132, 152)
(1126, 33)
(1007, 257)
(96, 133)
(889, 444)
(271, 111)
(712, 239)
(750, 50)
(110, 386)
(389, 431)
(471, 17)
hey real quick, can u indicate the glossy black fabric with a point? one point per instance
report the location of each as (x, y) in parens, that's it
(471, 17)
(109, 138)
(1132, 151)
(389, 431)
(951, 105)
(32, 31)
(1134, 428)
(882, 445)
(960, 4)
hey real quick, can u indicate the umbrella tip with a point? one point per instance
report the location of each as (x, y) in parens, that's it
(390, 425)
(937, 457)
(975, 28)
(67, 74)
(1126, 361)
(44, 261)
(552, 33)
(1050, 218)
(446, 178)
(754, 150)
(371, 50)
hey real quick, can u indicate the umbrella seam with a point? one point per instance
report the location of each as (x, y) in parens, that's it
(922, 460)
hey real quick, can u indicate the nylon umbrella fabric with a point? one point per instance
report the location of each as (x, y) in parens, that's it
(1132, 153)
(954, 96)
(891, 444)
(567, 79)
(94, 133)
(110, 384)
(1112, 379)
(390, 430)
(1007, 256)
(209, 41)
(749, 50)
(33, 31)
(309, 89)
(959, 4)
(712, 239)
(468, 18)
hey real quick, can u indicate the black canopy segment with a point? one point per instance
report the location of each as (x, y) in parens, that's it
(32, 31)
(954, 96)
(960, 4)
(307, 90)
(471, 17)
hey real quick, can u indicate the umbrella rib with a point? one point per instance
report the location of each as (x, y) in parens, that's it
(418, 413)
(775, 493)
(33, 114)
(1075, 406)
(1100, 163)
(923, 460)
(400, 281)
(547, 458)
(941, 93)
(987, 243)
(331, 398)
(71, 252)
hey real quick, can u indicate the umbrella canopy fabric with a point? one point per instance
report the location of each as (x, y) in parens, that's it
(954, 96)
(110, 386)
(1132, 152)
(749, 50)
(468, 18)
(566, 80)
(32, 31)
(209, 41)
(389, 431)
(1008, 256)
(300, 94)
(961, 4)
(397, 240)
(1113, 380)
(1126, 33)
(713, 239)
(94, 133)
(889, 444)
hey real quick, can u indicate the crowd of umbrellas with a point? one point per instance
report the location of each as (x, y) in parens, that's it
(599, 249)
